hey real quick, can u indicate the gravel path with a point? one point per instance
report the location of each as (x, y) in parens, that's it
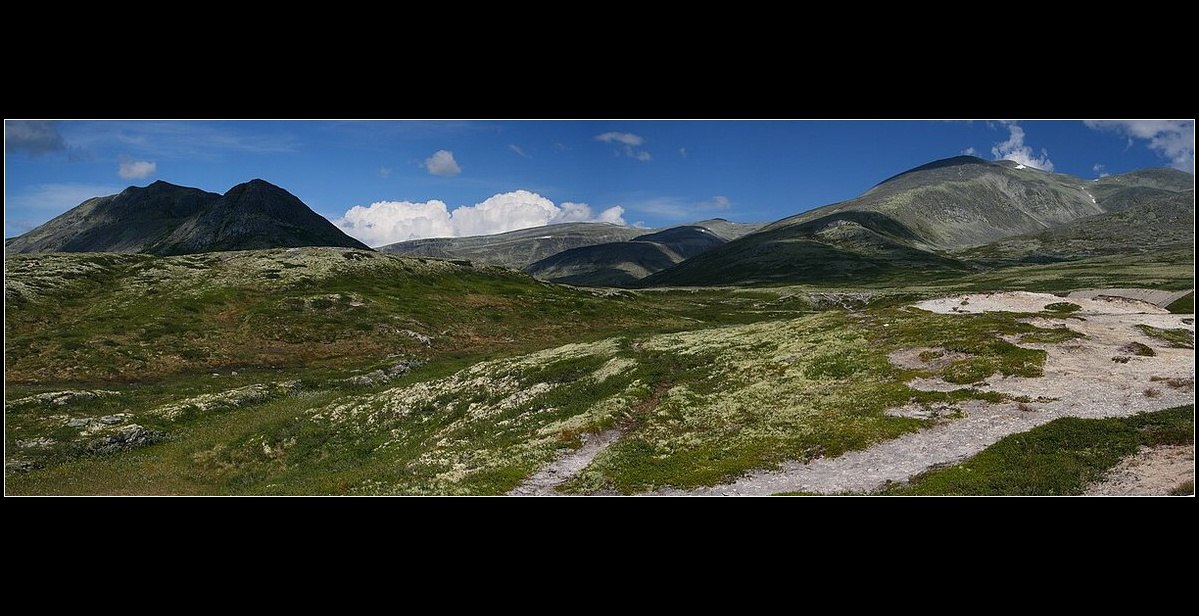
(1153, 296)
(1080, 375)
(544, 481)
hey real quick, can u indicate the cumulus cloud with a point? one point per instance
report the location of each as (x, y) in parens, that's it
(386, 222)
(1173, 140)
(1100, 170)
(627, 143)
(1015, 149)
(442, 163)
(34, 137)
(519, 151)
(970, 151)
(130, 169)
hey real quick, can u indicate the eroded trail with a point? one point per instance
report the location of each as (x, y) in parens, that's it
(544, 481)
(1081, 379)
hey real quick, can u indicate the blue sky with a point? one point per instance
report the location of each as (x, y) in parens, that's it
(413, 179)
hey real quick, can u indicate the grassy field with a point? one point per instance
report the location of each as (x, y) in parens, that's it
(697, 407)
(333, 371)
(1058, 458)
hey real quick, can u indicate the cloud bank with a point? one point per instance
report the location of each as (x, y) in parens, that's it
(1173, 140)
(34, 137)
(386, 222)
(442, 163)
(1016, 150)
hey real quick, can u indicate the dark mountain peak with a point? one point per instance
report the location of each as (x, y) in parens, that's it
(255, 187)
(163, 218)
(955, 161)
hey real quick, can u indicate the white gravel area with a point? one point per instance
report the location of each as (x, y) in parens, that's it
(1024, 301)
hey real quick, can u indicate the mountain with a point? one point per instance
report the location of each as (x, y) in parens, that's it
(166, 219)
(515, 249)
(624, 263)
(1144, 220)
(917, 223)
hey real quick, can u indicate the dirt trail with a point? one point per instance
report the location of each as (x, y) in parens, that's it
(544, 481)
(1080, 375)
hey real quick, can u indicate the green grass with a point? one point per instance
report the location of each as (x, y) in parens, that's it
(1058, 458)
(1063, 307)
(1183, 305)
(1186, 489)
(1177, 338)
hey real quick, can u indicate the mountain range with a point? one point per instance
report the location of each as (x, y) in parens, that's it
(946, 218)
(165, 219)
(930, 222)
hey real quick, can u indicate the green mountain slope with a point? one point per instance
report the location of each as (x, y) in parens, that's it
(166, 219)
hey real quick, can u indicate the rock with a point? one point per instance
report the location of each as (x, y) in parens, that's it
(19, 466)
(129, 436)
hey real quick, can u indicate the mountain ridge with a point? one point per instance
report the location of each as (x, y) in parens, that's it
(167, 219)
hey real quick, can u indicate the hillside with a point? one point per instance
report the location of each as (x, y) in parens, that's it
(165, 219)
(515, 249)
(623, 263)
(1144, 220)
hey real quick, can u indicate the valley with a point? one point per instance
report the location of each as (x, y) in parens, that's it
(965, 327)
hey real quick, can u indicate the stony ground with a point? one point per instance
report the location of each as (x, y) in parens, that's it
(1152, 471)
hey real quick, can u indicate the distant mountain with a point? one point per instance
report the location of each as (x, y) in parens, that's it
(166, 219)
(515, 249)
(916, 223)
(624, 263)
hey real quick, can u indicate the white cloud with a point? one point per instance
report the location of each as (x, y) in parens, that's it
(1100, 170)
(386, 222)
(442, 163)
(384, 172)
(970, 151)
(130, 169)
(683, 152)
(628, 143)
(519, 151)
(1173, 140)
(625, 138)
(1015, 149)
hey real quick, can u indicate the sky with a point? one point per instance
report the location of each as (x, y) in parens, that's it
(389, 181)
